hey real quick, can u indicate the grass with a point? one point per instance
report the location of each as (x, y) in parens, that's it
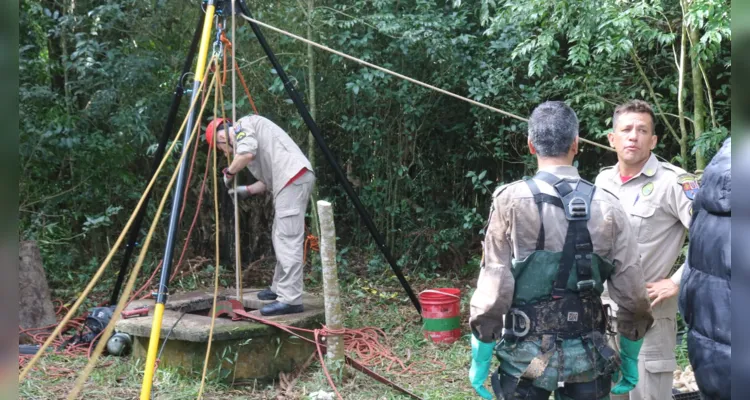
(377, 302)
(115, 378)
(681, 354)
(681, 351)
(366, 304)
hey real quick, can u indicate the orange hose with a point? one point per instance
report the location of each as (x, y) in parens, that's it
(311, 243)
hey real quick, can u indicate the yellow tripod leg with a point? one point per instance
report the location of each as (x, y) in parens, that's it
(153, 343)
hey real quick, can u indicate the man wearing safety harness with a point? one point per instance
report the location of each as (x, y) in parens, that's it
(551, 242)
(658, 198)
(278, 163)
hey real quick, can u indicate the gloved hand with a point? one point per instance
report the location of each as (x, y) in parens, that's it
(228, 177)
(481, 355)
(243, 192)
(629, 355)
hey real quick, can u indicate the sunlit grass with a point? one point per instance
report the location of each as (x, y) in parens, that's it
(366, 303)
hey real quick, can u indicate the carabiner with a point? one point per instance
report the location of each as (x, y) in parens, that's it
(526, 325)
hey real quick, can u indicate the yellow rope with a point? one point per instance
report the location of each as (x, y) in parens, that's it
(216, 273)
(105, 263)
(141, 257)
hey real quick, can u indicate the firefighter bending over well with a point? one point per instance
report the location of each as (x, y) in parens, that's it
(279, 165)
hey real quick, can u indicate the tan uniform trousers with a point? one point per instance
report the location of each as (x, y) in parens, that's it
(288, 237)
(656, 362)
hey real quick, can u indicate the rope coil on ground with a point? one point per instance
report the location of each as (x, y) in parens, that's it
(41, 334)
(363, 342)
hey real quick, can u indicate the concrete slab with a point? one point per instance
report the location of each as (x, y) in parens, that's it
(261, 351)
(195, 328)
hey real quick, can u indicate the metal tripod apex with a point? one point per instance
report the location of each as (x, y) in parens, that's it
(223, 8)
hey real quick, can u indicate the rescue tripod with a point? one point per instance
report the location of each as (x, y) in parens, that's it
(221, 9)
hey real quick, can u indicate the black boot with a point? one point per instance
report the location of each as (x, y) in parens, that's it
(278, 308)
(267, 294)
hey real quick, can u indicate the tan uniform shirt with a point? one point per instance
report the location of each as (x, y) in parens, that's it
(277, 157)
(512, 232)
(658, 201)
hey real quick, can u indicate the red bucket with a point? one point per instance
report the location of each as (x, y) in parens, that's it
(441, 314)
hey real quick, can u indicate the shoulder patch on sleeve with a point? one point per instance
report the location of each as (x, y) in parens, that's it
(689, 184)
(246, 142)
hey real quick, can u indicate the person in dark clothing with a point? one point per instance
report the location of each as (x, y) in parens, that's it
(705, 296)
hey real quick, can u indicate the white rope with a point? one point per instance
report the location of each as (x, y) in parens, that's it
(237, 243)
(396, 74)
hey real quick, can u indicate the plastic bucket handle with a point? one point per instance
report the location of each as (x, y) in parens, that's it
(439, 292)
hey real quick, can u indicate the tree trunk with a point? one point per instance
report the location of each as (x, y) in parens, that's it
(311, 145)
(681, 101)
(35, 308)
(655, 99)
(699, 107)
(68, 96)
(331, 292)
(55, 51)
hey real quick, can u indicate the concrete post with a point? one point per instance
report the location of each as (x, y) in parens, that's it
(331, 292)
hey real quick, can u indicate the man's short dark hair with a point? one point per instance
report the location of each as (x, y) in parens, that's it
(638, 107)
(553, 127)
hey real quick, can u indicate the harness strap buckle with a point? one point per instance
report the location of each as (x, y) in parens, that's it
(586, 286)
(525, 324)
(608, 317)
(578, 208)
(584, 248)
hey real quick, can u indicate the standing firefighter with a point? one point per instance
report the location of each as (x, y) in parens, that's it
(279, 164)
(551, 242)
(658, 198)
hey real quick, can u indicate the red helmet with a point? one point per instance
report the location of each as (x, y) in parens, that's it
(211, 129)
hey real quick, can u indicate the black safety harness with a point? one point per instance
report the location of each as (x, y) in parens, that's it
(566, 314)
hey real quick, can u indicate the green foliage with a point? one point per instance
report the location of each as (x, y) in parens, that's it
(97, 78)
(710, 141)
(712, 18)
